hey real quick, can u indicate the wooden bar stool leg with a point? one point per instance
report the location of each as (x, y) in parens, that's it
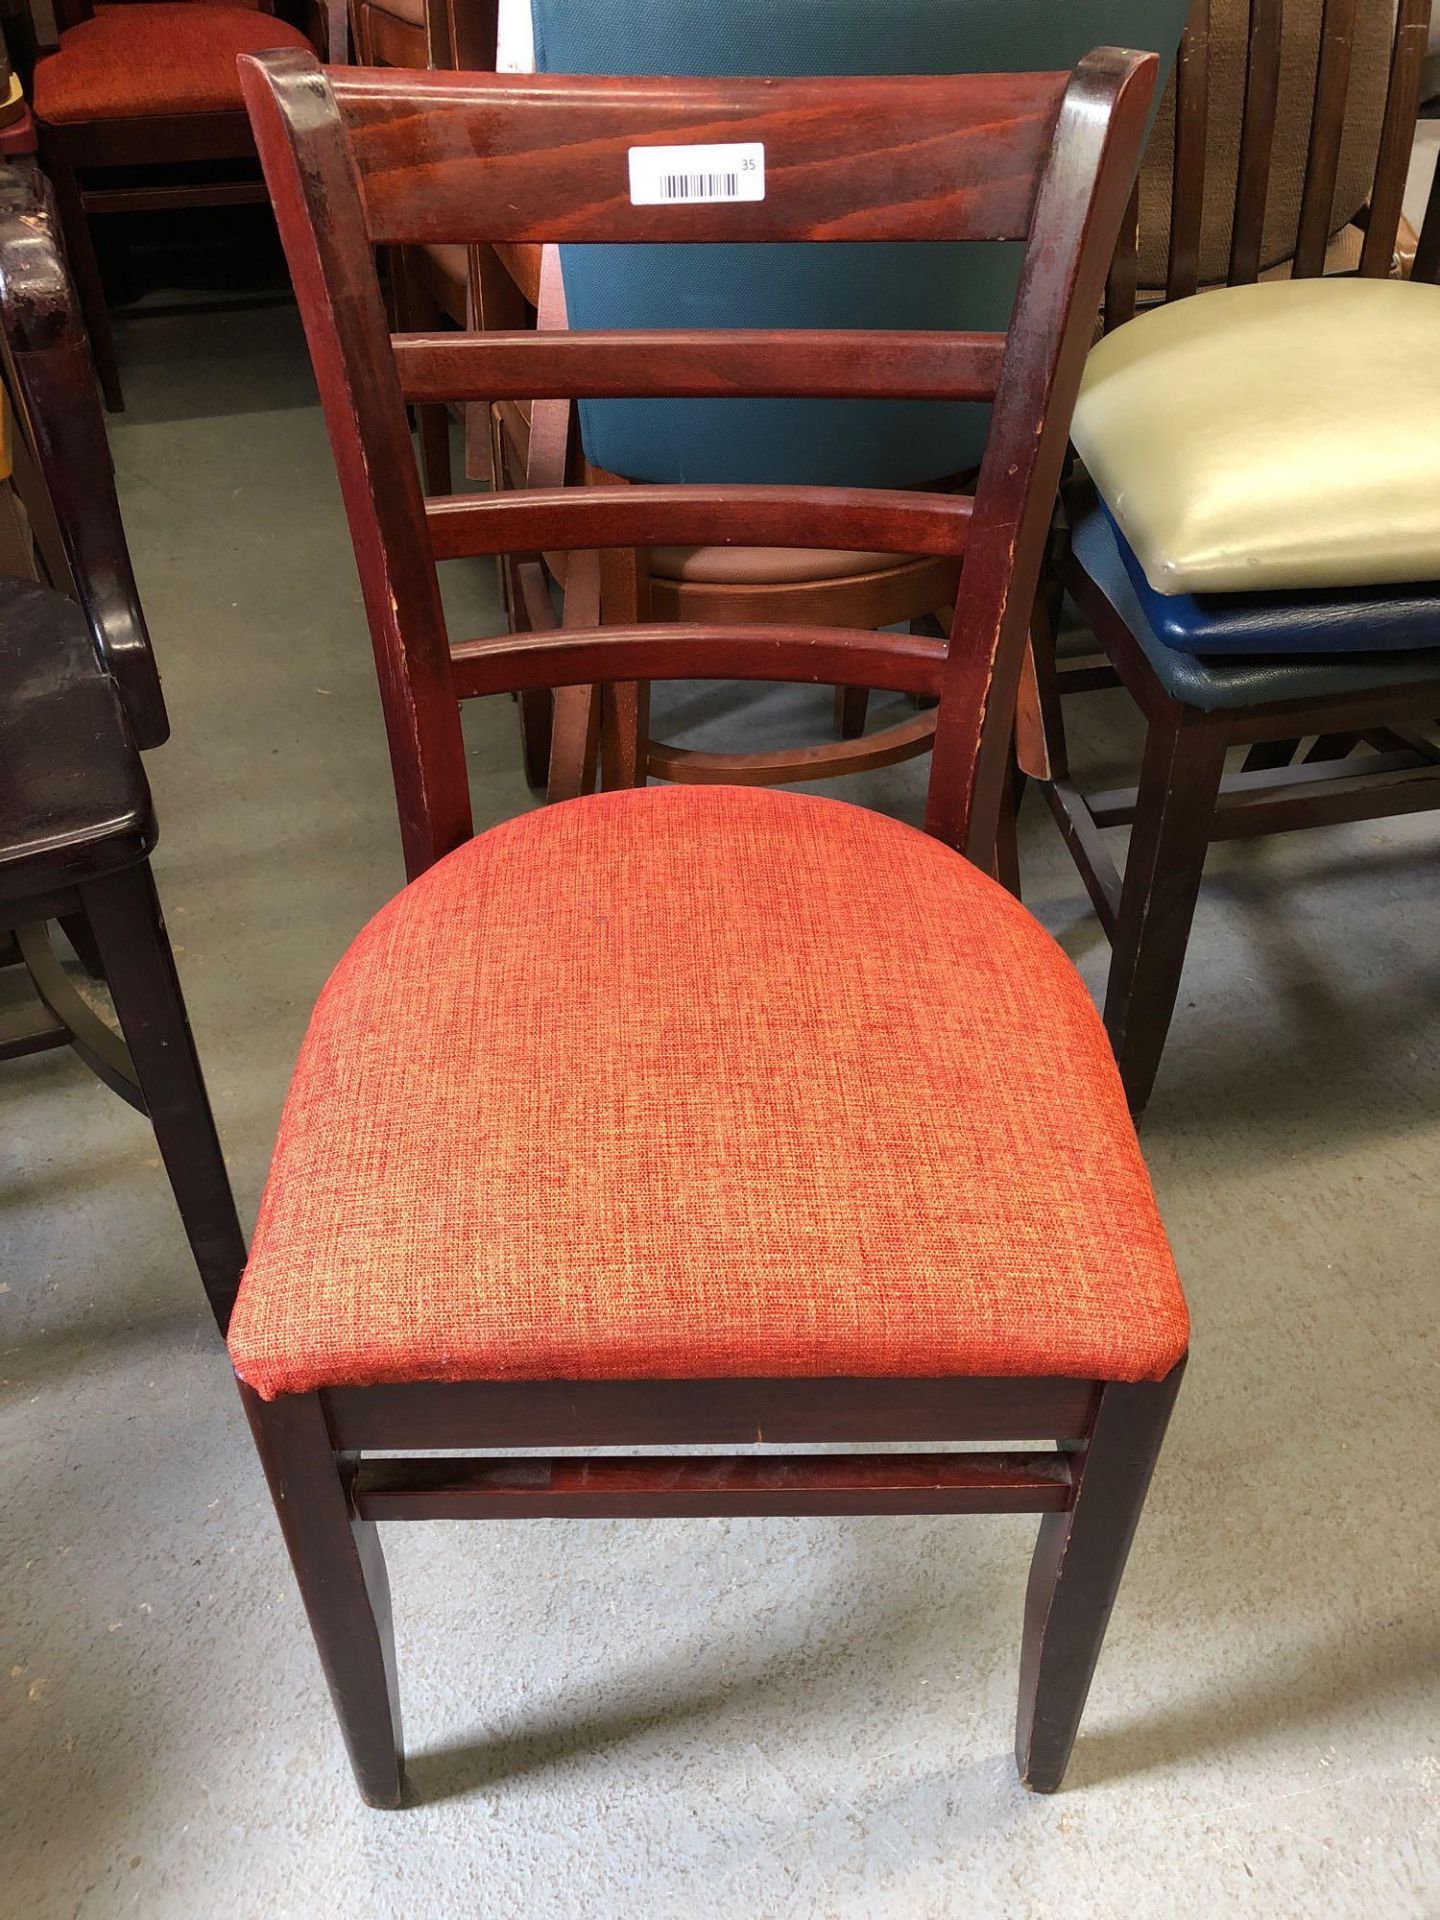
(85, 268)
(340, 1570)
(124, 914)
(1075, 1574)
(1174, 812)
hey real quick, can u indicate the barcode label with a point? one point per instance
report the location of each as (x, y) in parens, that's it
(692, 176)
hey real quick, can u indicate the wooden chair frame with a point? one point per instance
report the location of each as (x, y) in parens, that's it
(359, 159)
(99, 887)
(1185, 800)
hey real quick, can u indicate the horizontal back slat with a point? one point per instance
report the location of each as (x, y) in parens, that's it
(568, 518)
(829, 656)
(542, 157)
(882, 365)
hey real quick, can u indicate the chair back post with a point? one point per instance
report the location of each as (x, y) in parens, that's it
(316, 195)
(1198, 176)
(1427, 250)
(1397, 136)
(1083, 197)
(53, 381)
(463, 35)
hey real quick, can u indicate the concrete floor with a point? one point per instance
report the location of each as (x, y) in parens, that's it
(751, 1718)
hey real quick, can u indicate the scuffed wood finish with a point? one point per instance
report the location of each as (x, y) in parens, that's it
(1097, 139)
(313, 189)
(1075, 1575)
(447, 157)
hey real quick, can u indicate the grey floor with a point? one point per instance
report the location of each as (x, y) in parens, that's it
(750, 1718)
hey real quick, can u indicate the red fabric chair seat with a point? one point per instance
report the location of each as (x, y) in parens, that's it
(690, 1082)
(152, 58)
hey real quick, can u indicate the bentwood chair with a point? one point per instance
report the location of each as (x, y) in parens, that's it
(761, 440)
(79, 698)
(1269, 674)
(139, 107)
(693, 1114)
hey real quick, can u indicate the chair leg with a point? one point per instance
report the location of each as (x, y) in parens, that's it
(537, 709)
(77, 932)
(434, 425)
(851, 707)
(340, 1570)
(1007, 832)
(1174, 811)
(1075, 1574)
(124, 914)
(85, 268)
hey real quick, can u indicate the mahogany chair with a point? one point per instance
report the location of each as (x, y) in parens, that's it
(81, 698)
(139, 108)
(1365, 713)
(699, 1115)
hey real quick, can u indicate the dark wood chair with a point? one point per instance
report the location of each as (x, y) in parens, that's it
(79, 698)
(139, 108)
(533, 1188)
(1365, 715)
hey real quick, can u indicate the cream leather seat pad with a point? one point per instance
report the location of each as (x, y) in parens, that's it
(1275, 436)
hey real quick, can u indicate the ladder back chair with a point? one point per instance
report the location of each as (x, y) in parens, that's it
(724, 1143)
(1365, 709)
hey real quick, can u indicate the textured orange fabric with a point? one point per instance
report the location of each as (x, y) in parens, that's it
(698, 1081)
(136, 61)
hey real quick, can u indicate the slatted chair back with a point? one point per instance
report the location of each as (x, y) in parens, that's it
(356, 159)
(1196, 179)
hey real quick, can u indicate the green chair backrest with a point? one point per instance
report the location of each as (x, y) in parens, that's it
(877, 443)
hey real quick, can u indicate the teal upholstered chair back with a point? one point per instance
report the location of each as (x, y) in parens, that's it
(880, 443)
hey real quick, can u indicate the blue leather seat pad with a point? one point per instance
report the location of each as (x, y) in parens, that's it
(1343, 620)
(818, 442)
(1237, 682)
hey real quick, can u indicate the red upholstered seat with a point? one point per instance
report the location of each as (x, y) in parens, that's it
(698, 1081)
(152, 58)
